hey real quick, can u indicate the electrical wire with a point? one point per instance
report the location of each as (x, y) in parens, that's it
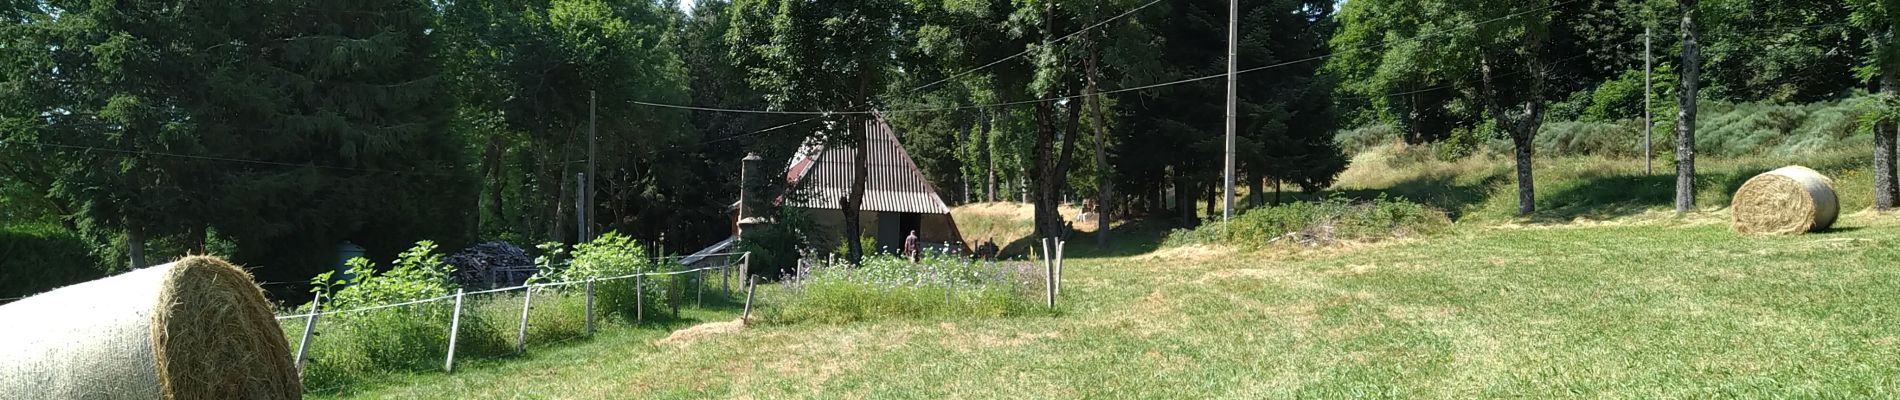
(1027, 51)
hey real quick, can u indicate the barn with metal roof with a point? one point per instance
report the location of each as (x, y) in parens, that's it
(898, 199)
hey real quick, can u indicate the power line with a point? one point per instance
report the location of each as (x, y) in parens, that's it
(1142, 87)
(212, 158)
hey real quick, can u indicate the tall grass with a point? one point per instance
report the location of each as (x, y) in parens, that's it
(1318, 222)
(889, 287)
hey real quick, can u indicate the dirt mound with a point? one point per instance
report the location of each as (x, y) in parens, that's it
(688, 335)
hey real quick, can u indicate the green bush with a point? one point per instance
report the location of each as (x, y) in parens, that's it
(35, 259)
(889, 287)
(612, 255)
(1318, 222)
(360, 344)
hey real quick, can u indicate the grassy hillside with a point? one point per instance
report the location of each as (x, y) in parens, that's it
(1484, 187)
(1653, 309)
(1603, 293)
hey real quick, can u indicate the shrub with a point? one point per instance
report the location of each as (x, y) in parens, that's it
(610, 255)
(889, 287)
(1319, 222)
(41, 258)
(407, 338)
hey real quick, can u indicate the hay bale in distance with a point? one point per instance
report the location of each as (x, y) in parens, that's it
(1785, 201)
(198, 328)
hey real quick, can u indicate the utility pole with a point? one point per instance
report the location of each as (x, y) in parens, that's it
(1233, 105)
(1649, 125)
(593, 135)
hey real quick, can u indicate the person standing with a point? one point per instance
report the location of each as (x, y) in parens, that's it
(911, 249)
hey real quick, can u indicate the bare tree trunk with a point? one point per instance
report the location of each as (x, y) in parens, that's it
(1686, 114)
(1184, 191)
(1046, 164)
(1104, 203)
(557, 227)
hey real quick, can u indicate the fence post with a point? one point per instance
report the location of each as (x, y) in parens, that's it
(639, 299)
(725, 280)
(590, 306)
(309, 328)
(1061, 245)
(455, 327)
(699, 289)
(752, 281)
(521, 338)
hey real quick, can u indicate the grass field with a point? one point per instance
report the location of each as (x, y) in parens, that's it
(1656, 308)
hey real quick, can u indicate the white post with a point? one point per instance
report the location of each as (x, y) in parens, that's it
(309, 328)
(699, 289)
(751, 282)
(1060, 245)
(590, 306)
(1048, 274)
(639, 299)
(521, 338)
(455, 328)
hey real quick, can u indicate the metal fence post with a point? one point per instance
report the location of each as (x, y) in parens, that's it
(590, 306)
(699, 289)
(455, 328)
(639, 299)
(521, 338)
(309, 328)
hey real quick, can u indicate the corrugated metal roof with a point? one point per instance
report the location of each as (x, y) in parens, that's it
(893, 181)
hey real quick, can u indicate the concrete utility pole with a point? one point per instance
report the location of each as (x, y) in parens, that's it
(1649, 125)
(593, 135)
(1233, 105)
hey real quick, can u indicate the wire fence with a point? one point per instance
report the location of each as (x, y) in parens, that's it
(492, 323)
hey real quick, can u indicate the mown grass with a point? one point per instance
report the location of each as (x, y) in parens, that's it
(1652, 309)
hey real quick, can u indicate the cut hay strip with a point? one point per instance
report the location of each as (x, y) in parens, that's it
(1785, 201)
(198, 328)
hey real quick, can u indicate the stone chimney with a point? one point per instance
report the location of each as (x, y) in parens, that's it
(752, 192)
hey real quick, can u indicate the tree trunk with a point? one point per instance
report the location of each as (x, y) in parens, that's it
(1886, 181)
(1522, 129)
(1256, 189)
(1044, 165)
(1686, 114)
(1105, 189)
(557, 227)
(1276, 192)
(491, 165)
(854, 248)
(1213, 195)
(1184, 190)
(989, 159)
(135, 245)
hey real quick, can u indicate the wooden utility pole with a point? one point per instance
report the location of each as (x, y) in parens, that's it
(593, 135)
(1233, 105)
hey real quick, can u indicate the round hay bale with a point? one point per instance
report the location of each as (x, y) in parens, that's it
(198, 328)
(1785, 201)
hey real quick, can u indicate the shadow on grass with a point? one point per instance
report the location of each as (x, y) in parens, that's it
(1442, 192)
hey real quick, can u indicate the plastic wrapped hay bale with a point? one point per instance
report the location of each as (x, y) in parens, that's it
(1789, 200)
(198, 328)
